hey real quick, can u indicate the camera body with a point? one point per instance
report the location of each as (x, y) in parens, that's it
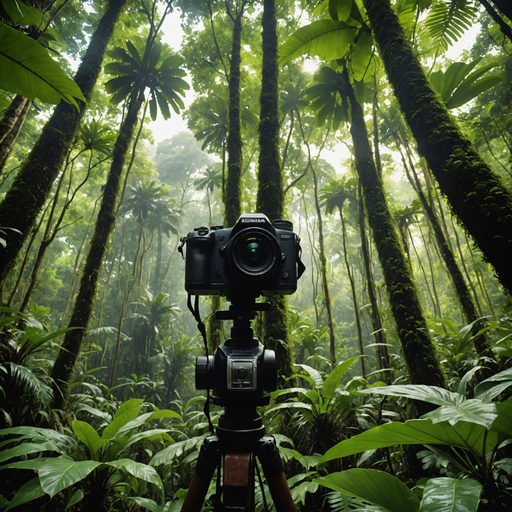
(254, 257)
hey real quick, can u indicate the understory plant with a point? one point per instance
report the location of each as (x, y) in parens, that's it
(466, 443)
(86, 470)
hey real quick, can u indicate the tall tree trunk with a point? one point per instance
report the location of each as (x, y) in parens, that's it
(476, 194)
(65, 363)
(33, 184)
(505, 29)
(270, 197)
(233, 196)
(384, 362)
(418, 349)
(12, 122)
(354, 296)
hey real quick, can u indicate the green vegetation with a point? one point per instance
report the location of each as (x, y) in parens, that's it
(392, 157)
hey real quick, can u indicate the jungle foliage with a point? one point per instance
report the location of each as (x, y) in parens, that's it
(355, 119)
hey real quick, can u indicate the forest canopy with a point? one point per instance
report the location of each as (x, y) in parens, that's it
(359, 121)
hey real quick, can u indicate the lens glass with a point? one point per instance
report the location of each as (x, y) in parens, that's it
(255, 253)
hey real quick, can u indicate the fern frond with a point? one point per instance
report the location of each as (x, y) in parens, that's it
(447, 21)
(29, 383)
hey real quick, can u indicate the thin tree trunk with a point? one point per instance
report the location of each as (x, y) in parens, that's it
(33, 184)
(505, 29)
(478, 197)
(419, 352)
(9, 138)
(232, 206)
(67, 356)
(354, 295)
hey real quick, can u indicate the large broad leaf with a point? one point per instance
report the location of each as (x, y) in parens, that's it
(451, 495)
(21, 13)
(149, 416)
(167, 455)
(138, 470)
(333, 380)
(58, 474)
(28, 70)
(376, 487)
(147, 503)
(467, 436)
(89, 437)
(125, 413)
(503, 423)
(430, 394)
(26, 448)
(314, 374)
(474, 411)
(327, 39)
(363, 59)
(493, 386)
(32, 490)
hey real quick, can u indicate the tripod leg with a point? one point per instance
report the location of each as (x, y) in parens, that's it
(207, 461)
(268, 454)
(238, 489)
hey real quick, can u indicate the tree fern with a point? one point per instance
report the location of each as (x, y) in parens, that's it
(447, 21)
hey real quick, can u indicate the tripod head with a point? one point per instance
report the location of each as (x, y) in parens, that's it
(241, 373)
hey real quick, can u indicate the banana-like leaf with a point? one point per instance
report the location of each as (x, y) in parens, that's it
(363, 60)
(58, 474)
(27, 69)
(149, 416)
(465, 435)
(314, 374)
(376, 487)
(451, 495)
(32, 490)
(327, 39)
(88, 435)
(167, 455)
(430, 394)
(138, 470)
(333, 380)
(147, 503)
(490, 388)
(474, 411)
(125, 413)
(27, 448)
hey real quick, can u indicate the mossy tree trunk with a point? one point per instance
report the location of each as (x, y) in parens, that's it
(477, 195)
(270, 197)
(418, 349)
(64, 367)
(33, 184)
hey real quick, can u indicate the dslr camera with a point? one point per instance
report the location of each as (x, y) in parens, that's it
(255, 257)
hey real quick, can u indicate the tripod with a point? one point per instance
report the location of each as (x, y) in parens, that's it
(238, 374)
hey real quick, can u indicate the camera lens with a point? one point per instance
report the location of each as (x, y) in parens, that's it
(254, 253)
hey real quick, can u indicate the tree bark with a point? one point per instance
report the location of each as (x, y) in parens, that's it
(64, 367)
(419, 351)
(476, 194)
(33, 184)
(270, 196)
(10, 126)
(233, 197)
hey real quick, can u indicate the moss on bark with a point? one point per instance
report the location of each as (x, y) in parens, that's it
(418, 349)
(33, 184)
(477, 196)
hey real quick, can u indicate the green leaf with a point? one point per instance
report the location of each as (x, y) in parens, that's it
(299, 491)
(32, 490)
(58, 474)
(333, 380)
(167, 455)
(138, 470)
(327, 39)
(466, 93)
(503, 423)
(467, 436)
(78, 495)
(363, 60)
(148, 504)
(451, 495)
(430, 394)
(493, 386)
(22, 14)
(125, 413)
(474, 411)
(28, 70)
(26, 448)
(88, 436)
(149, 416)
(377, 487)
(314, 374)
